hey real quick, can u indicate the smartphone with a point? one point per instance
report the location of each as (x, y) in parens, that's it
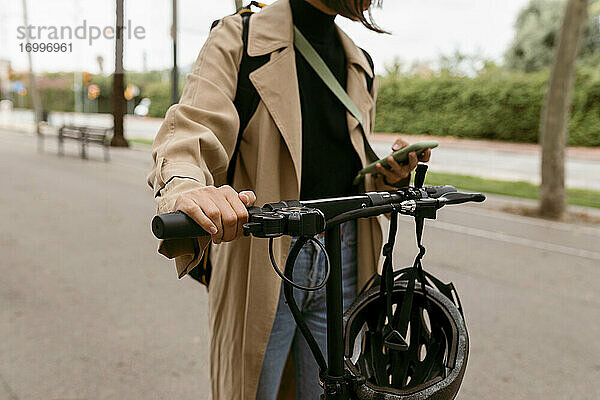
(401, 156)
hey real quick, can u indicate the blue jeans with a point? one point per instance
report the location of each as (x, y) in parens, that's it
(308, 271)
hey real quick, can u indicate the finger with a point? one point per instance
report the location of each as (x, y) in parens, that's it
(193, 210)
(397, 168)
(399, 144)
(228, 218)
(212, 210)
(400, 171)
(248, 197)
(385, 172)
(412, 161)
(425, 156)
(240, 210)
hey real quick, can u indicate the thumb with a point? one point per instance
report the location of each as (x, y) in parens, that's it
(398, 144)
(247, 197)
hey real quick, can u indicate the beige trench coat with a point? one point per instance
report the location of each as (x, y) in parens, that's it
(193, 148)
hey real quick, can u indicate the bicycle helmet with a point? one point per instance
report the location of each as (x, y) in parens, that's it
(432, 363)
(405, 336)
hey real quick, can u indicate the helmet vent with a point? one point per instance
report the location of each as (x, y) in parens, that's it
(360, 342)
(407, 339)
(422, 352)
(426, 321)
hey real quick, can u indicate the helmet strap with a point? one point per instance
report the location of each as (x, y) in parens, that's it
(393, 339)
(395, 326)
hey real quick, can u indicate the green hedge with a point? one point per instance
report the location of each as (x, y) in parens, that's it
(160, 94)
(499, 105)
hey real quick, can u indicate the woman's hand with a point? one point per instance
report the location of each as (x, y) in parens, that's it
(398, 172)
(220, 211)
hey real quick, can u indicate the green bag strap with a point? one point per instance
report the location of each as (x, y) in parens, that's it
(316, 62)
(318, 65)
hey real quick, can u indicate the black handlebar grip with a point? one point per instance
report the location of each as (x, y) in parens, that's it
(459, 198)
(176, 225)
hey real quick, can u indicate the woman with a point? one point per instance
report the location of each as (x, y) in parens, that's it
(300, 143)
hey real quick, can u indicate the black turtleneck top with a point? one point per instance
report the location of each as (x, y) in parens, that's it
(329, 161)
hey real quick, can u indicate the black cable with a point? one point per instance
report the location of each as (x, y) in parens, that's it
(293, 255)
(288, 291)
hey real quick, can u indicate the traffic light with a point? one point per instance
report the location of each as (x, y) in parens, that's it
(93, 91)
(131, 91)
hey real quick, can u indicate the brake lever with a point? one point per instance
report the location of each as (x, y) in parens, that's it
(263, 223)
(420, 173)
(277, 219)
(459, 198)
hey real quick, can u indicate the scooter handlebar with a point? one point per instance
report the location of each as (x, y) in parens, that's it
(176, 225)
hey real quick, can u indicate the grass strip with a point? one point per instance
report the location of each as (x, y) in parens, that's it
(578, 197)
(147, 142)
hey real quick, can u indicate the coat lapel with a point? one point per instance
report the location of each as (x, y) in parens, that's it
(277, 86)
(276, 82)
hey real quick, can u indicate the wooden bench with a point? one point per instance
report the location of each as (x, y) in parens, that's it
(85, 135)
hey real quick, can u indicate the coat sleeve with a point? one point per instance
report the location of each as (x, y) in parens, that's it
(197, 137)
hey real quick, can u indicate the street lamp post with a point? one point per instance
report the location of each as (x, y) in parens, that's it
(35, 97)
(174, 73)
(118, 139)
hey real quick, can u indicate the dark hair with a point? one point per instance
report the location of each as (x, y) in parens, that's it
(353, 9)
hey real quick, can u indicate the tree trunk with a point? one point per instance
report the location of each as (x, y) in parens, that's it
(556, 111)
(118, 88)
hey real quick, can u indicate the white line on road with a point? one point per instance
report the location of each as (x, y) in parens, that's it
(520, 219)
(502, 237)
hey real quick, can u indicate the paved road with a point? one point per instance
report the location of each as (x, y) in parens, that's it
(481, 160)
(90, 311)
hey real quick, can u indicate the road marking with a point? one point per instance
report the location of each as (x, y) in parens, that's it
(526, 220)
(503, 237)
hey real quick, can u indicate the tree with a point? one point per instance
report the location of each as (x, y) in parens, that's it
(536, 33)
(555, 113)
